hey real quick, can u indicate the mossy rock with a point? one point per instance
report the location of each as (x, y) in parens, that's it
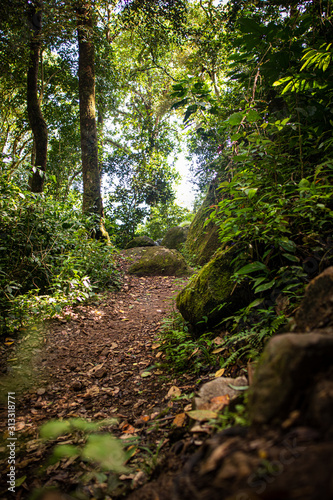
(141, 241)
(203, 241)
(175, 237)
(208, 290)
(160, 261)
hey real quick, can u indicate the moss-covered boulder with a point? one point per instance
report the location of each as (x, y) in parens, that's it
(175, 237)
(208, 290)
(203, 241)
(160, 261)
(141, 241)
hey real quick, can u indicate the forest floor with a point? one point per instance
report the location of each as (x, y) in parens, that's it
(101, 362)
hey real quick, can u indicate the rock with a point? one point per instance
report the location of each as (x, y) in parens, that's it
(218, 387)
(175, 237)
(160, 261)
(286, 369)
(202, 241)
(320, 411)
(316, 309)
(141, 241)
(208, 290)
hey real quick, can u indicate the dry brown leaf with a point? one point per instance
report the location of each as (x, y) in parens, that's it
(201, 415)
(219, 373)
(174, 391)
(179, 420)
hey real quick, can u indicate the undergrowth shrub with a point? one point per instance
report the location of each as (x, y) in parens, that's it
(182, 352)
(47, 257)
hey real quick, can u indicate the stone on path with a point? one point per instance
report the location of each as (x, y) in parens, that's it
(159, 261)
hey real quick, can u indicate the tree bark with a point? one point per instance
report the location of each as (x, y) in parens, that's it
(92, 199)
(35, 115)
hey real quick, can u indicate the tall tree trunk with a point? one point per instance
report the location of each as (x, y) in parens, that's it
(35, 115)
(92, 199)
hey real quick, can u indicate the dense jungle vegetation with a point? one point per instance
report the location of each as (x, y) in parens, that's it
(107, 94)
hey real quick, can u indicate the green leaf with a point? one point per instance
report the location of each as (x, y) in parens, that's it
(287, 244)
(20, 481)
(252, 268)
(179, 104)
(235, 118)
(264, 286)
(107, 451)
(252, 116)
(239, 387)
(65, 450)
(293, 258)
(55, 428)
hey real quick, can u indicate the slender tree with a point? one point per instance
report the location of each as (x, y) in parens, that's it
(35, 115)
(92, 199)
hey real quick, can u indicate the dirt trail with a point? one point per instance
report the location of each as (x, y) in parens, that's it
(98, 364)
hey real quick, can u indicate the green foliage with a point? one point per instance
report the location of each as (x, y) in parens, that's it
(47, 257)
(92, 446)
(162, 217)
(182, 353)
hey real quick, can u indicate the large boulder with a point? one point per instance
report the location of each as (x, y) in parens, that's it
(141, 241)
(316, 309)
(175, 237)
(202, 241)
(295, 370)
(211, 294)
(159, 261)
(288, 366)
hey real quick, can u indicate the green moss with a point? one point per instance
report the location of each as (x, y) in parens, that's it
(141, 241)
(208, 290)
(160, 261)
(175, 237)
(202, 241)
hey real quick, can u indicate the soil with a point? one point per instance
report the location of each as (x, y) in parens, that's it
(103, 361)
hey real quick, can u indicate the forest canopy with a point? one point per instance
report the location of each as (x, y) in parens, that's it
(97, 101)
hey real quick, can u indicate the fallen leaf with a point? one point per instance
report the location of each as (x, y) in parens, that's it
(156, 346)
(174, 391)
(179, 420)
(220, 349)
(201, 415)
(145, 374)
(219, 373)
(218, 340)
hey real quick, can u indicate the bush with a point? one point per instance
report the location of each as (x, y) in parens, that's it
(47, 258)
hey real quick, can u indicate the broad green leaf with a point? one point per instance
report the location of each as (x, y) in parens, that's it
(252, 268)
(235, 118)
(264, 286)
(293, 258)
(287, 244)
(252, 116)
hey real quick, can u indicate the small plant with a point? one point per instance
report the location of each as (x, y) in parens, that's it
(182, 352)
(230, 418)
(91, 445)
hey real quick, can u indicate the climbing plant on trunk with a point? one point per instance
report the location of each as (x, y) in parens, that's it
(35, 115)
(92, 199)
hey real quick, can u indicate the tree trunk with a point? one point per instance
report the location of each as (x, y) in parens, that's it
(35, 115)
(92, 199)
